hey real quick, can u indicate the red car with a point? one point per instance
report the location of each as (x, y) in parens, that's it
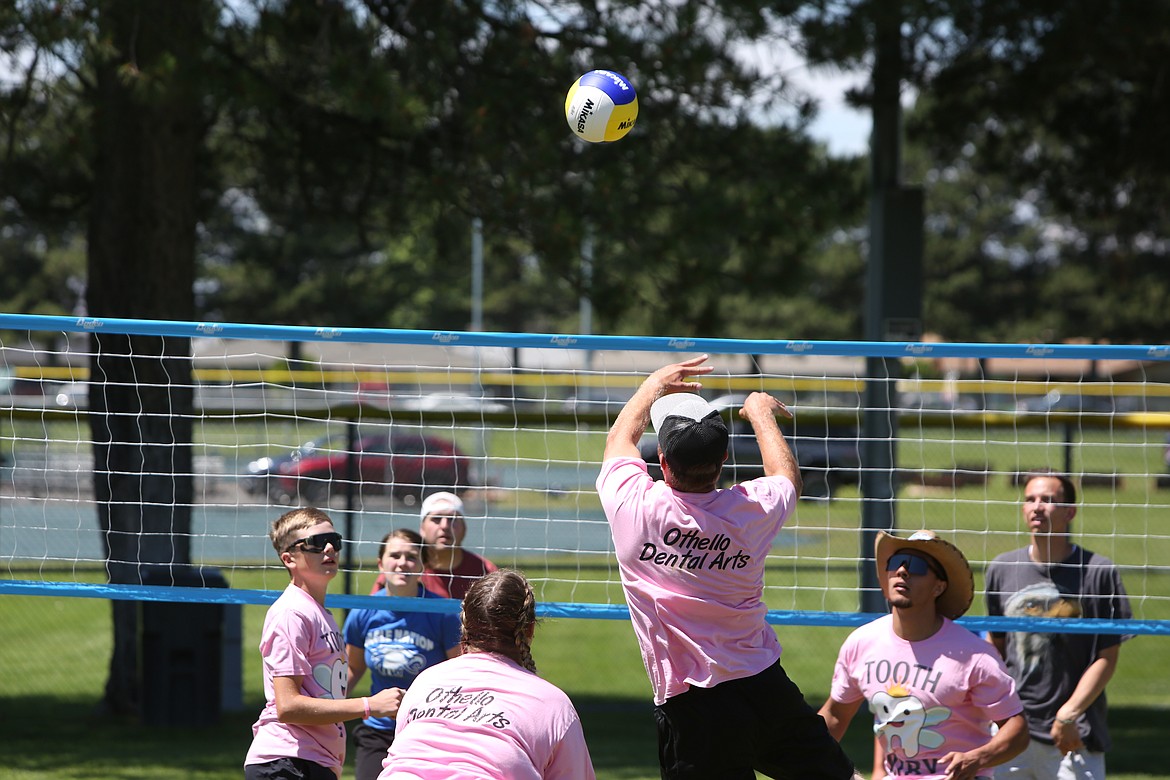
(402, 464)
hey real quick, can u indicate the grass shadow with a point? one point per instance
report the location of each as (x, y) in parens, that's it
(623, 740)
(62, 737)
(1139, 739)
(621, 735)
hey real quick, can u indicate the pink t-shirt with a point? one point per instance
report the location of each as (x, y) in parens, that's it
(929, 698)
(692, 567)
(482, 716)
(300, 639)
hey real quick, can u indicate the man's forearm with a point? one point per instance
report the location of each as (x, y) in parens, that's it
(631, 422)
(1009, 741)
(777, 457)
(1091, 684)
(775, 452)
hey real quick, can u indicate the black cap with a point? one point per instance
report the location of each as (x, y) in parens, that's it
(690, 431)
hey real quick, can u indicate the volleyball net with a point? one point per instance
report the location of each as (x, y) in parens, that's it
(364, 423)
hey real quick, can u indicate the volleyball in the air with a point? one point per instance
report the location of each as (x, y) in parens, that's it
(601, 106)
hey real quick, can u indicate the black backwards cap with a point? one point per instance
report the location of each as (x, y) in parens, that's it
(690, 431)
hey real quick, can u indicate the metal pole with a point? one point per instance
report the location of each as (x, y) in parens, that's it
(879, 425)
(585, 303)
(351, 470)
(586, 300)
(477, 274)
(477, 288)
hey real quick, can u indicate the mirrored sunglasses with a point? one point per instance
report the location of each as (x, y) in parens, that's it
(317, 542)
(915, 564)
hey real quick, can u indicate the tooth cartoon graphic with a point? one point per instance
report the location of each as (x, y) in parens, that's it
(332, 678)
(899, 714)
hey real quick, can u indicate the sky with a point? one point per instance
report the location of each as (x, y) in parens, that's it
(844, 130)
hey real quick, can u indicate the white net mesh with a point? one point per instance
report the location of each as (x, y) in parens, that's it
(366, 422)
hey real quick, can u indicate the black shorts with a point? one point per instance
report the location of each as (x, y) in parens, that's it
(759, 723)
(288, 769)
(370, 746)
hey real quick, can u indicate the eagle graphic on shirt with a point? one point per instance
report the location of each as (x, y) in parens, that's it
(1039, 600)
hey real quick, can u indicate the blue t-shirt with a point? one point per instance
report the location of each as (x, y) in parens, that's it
(399, 646)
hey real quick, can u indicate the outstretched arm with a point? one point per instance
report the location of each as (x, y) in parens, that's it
(760, 410)
(631, 422)
(292, 706)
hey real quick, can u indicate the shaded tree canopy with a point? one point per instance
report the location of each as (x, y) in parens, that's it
(444, 112)
(1069, 105)
(350, 144)
(1047, 118)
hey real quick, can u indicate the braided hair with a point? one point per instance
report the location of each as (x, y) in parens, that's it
(499, 616)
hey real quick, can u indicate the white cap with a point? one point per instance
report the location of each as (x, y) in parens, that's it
(690, 431)
(438, 502)
(688, 405)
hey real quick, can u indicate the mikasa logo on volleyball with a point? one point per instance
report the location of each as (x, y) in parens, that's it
(601, 106)
(586, 110)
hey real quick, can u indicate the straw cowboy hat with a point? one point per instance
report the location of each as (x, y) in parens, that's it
(960, 592)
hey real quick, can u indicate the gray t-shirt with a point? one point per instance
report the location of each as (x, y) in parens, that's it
(1047, 667)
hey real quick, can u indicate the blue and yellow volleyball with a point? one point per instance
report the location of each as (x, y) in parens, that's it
(601, 106)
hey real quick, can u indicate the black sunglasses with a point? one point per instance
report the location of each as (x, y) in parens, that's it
(317, 542)
(915, 564)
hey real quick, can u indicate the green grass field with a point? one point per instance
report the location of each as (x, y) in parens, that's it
(54, 652)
